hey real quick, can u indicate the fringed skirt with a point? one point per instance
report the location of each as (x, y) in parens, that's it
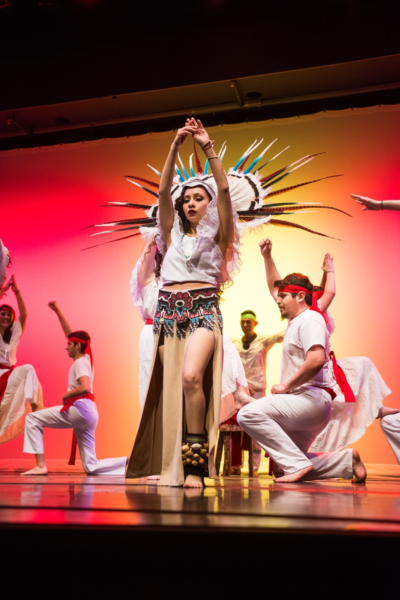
(157, 448)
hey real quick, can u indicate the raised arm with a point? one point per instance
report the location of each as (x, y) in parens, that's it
(270, 268)
(224, 203)
(166, 206)
(369, 204)
(21, 304)
(328, 283)
(65, 327)
(146, 270)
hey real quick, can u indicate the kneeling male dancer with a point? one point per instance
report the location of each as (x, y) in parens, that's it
(286, 423)
(78, 411)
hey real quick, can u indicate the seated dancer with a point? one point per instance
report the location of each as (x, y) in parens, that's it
(194, 237)
(349, 420)
(253, 350)
(18, 385)
(286, 423)
(78, 411)
(370, 204)
(144, 286)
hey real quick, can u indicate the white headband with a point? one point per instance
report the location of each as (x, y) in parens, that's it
(198, 183)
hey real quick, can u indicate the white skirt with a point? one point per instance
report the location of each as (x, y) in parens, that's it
(233, 374)
(23, 388)
(350, 420)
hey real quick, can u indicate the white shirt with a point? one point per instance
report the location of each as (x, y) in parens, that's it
(80, 368)
(254, 359)
(304, 331)
(8, 352)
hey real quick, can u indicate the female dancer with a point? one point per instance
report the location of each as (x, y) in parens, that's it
(195, 238)
(349, 420)
(18, 385)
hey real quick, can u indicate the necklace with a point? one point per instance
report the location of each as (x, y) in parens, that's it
(187, 257)
(246, 343)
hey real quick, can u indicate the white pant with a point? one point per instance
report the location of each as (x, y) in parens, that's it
(285, 425)
(391, 428)
(82, 417)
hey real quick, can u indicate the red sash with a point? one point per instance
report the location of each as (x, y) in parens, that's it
(342, 380)
(69, 403)
(149, 321)
(4, 380)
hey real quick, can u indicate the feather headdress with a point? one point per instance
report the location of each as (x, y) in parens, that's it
(250, 192)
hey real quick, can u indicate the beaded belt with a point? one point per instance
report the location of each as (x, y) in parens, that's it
(188, 309)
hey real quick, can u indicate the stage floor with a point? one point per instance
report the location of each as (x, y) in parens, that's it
(230, 503)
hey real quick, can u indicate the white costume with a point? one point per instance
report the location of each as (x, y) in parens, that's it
(145, 300)
(350, 420)
(82, 417)
(391, 428)
(285, 425)
(22, 387)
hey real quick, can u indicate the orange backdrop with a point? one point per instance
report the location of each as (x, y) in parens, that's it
(48, 194)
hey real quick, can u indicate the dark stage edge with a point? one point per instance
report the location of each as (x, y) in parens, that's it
(117, 535)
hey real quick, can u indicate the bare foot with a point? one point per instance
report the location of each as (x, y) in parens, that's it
(255, 473)
(384, 411)
(359, 471)
(193, 481)
(236, 471)
(153, 477)
(241, 398)
(37, 471)
(293, 477)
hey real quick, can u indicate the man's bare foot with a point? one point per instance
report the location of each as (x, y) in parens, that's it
(384, 411)
(241, 398)
(193, 481)
(359, 471)
(293, 477)
(153, 477)
(255, 473)
(37, 471)
(236, 471)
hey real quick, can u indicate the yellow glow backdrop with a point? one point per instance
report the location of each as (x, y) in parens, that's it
(49, 194)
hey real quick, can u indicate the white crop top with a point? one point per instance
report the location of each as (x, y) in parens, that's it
(205, 262)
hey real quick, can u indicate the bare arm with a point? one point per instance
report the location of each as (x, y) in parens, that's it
(270, 268)
(84, 388)
(21, 304)
(369, 204)
(166, 206)
(314, 362)
(65, 327)
(146, 271)
(329, 283)
(224, 203)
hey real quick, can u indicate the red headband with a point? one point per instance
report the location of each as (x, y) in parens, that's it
(294, 289)
(10, 309)
(88, 349)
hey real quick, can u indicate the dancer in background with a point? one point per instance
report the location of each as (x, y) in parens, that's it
(253, 350)
(19, 386)
(286, 423)
(349, 420)
(78, 411)
(195, 237)
(370, 204)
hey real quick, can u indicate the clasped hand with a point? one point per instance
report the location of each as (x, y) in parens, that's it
(193, 128)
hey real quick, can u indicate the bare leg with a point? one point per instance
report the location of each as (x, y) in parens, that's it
(359, 471)
(199, 351)
(293, 477)
(40, 469)
(385, 410)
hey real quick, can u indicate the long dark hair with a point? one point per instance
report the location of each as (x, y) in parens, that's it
(8, 332)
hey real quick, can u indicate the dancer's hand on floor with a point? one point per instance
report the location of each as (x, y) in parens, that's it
(266, 247)
(367, 203)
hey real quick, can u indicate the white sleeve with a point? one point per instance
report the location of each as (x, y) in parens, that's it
(16, 333)
(82, 368)
(312, 333)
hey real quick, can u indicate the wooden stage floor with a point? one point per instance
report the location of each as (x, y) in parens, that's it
(132, 534)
